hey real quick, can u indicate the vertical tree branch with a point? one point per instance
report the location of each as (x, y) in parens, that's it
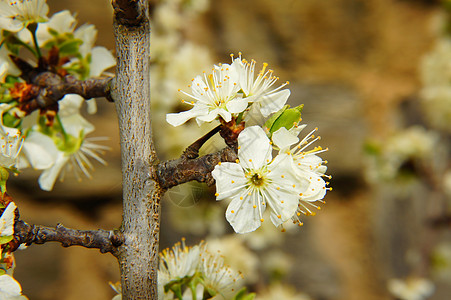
(138, 257)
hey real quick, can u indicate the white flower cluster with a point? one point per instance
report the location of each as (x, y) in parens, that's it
(56, 142)
(206, 271)
(9, 288)
(414, 143)
(228, 91)
(288, 184)
(193, 273)
(435, 72)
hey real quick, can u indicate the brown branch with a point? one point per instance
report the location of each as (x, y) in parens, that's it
(178, 171)
(105, 241)
(193, 150)
(53, 88)
(127, 12)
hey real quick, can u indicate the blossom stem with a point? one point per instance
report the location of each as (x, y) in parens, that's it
(63, 131)
(32, 28)
(193, 150)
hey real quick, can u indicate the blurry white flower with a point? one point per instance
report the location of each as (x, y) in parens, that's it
(414, 143)
(218, 279)
(7, 67)
(257, 181)
(308, 166)
(17, 14)
(7, 220)
(11, 142)
(278, 292)
(216, 95)
(10, 289)
(58, 154)
(178, 262)
(258, 90)
(435, 73)
(411, 289)
(236, 255)
(61, 22)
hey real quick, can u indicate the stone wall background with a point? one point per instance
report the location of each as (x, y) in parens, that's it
(351, 62)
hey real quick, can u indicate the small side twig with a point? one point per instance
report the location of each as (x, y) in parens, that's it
(53, 88)
(174, 172)
(105, 241)
(193, 150)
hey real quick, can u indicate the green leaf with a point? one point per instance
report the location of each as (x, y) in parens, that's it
(10, 121)
(70, 47)
(243, 295)
(2, 272)
(286, 117)
(5, 239)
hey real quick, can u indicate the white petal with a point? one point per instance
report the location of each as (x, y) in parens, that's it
(7, 220)
(237, 105)
(230, 180)
(255, 149)
(48, 177)
(283, 139)
(245, 218)
(102, 59)
(91, 106)
(9, 287)
(75, 124)
(61, 22)
(181, 117)
(40, 150)
(273, 102)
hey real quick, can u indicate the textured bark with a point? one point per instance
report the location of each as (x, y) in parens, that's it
(105, 241)
(174, 172)
(138, 256)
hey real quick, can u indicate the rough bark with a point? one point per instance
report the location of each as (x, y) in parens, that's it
(138, 256)
(104, 240)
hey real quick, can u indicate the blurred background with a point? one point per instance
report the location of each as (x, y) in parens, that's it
(375, 78)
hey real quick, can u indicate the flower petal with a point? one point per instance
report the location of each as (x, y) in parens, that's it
(270, 103)
(48, 177)
(283, 139)
(181, 117)
(242, 215)
(230, 180)
(254, 148)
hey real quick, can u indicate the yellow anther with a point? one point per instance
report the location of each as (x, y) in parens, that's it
(279, 216)
(232, 211)
(261, 220)
(219, 163)
(216, 194)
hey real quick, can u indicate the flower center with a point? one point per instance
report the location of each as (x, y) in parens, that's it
(257, 179)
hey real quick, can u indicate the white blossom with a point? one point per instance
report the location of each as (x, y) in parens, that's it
(257, 181)
(7, 220)
(215, 95)
(179, 262)
(308, 167)
(17, 14)
(10, 289)
(412, 288)
(57, 155)
(11, 142)
(259, 89)
(223, 281)
(61, 22)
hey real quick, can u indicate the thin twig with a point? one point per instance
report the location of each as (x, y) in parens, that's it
(174, 172)
(193, 150)
(105, 241)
